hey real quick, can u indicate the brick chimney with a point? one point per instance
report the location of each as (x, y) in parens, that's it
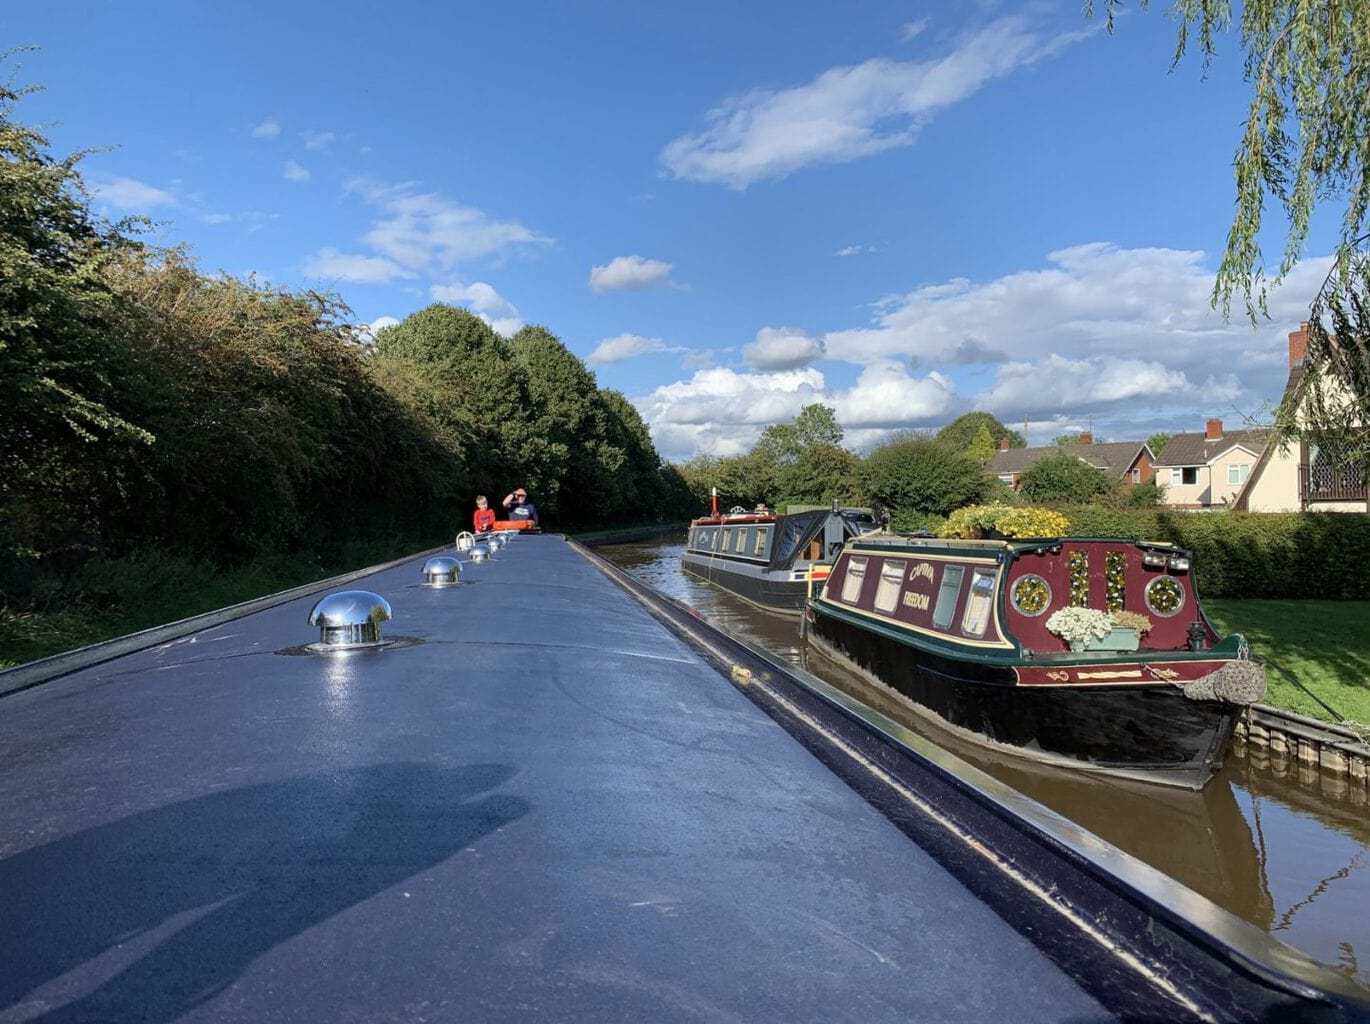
(1087, 437)
(1003, 443)
(1213, 430)
(1298, 345)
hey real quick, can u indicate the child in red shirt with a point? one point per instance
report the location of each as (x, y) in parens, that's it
(484, 519)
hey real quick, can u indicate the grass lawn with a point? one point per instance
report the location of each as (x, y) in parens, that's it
(1311, 649)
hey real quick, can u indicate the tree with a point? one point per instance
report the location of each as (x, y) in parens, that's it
(920, 474)
(1157, 443)
(1303, 143)
(960, 432)
(1063, 478)
(822, 473)
(71, 430)
(1061, 440)
(783, 443)
(981, 447)
(1306, 124)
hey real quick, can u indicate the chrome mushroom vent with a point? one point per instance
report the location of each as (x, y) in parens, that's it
(479, 553)
(441, 571)
(350, 618)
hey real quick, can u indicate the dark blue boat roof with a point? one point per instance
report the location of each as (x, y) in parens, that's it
(550, 809)
(547, 802)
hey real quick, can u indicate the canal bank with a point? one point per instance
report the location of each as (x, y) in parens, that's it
(541, 802)
(1266, 837)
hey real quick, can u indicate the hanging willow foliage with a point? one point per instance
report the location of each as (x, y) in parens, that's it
(1306, 140)
(1307, 132)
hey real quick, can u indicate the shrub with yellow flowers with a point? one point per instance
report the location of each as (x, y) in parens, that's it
(974, 521)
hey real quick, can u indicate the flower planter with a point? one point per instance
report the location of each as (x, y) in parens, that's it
(1121, 638)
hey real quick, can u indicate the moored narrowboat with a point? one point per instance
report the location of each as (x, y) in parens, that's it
(768, 558)
(960, 629)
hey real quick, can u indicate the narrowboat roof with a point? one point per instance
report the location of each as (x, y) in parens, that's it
(1015, 544)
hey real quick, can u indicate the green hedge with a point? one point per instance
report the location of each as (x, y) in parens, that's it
(1251, 554)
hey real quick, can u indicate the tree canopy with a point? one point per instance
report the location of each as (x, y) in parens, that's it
(150, 406)
(961, 432)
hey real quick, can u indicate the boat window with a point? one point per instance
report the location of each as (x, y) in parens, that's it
(761, 534)
(947, 594)
(979, 604)
(1164, 596)
(856, 575)
(1031, 594)
(740, 543)
(891, 579)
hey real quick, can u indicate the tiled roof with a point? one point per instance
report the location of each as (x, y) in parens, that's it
(1114, 457)
(1198, 449)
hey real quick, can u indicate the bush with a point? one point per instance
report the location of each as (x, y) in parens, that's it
(1063, 478)
(917, 522)
(1318, 555)
(918, 474)
(977, 520)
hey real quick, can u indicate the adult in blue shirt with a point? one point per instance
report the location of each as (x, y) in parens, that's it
(520, 509)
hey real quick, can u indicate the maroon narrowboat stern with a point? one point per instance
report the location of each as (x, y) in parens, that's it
(960, 629)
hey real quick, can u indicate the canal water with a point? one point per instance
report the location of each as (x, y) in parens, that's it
(1263, 839)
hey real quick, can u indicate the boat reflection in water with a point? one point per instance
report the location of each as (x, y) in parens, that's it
(1260, 840)
(1199, 837)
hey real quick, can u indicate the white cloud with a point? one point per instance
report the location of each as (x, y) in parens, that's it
(888, 397)
(722, 411)
(423, 231)
(624, 346)
(1072, 384)
(330, 264)
(1099, 328)
(132, 194)
(911, 30)
(483, 300)
(629, 273)
(782, 348)
(849, 112)
(292, 171)
(382, 322)
(318, 140)
(854, 250)
(267, 129)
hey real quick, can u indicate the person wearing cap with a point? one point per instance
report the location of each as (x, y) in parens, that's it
(520, 509)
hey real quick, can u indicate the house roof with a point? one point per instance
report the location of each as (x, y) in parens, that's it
(1198, 449)
(1114, 457)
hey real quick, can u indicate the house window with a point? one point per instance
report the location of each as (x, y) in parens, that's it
(1006, 477)
(856, 575)
(891, 579)
(1237, 474)
(1175, 476)
(1190, 475)
(1136, 475)
(947, 594)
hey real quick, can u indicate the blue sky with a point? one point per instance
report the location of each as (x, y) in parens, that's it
(904, 209)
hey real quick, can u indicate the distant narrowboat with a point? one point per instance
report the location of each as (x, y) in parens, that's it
(765, 557)
(959, 628)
